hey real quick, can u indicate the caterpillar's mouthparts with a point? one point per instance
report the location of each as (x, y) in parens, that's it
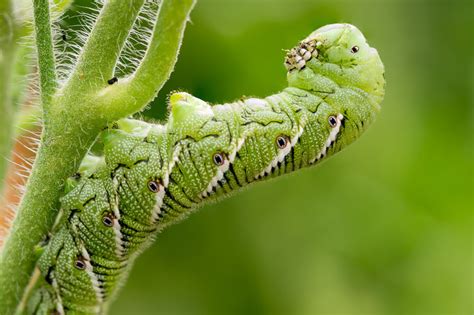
(297, 57)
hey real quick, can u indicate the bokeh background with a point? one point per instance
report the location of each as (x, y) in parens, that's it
(385, 227)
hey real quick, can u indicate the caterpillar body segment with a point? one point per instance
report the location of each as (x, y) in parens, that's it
(152, 175)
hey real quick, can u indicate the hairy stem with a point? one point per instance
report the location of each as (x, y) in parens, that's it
(74, 115)
(100, 54)
(44, 44)
(17, 259)
(139, 89)
(167, 36)
(7, 52)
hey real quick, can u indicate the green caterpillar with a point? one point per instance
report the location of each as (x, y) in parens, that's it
(152, 175)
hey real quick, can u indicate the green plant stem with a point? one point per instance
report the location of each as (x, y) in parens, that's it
(46, 62)
(17, 258)
(7, 53)
(69, 129)
(168, 35)
(98, 59)
(73, 118)
(141, 88)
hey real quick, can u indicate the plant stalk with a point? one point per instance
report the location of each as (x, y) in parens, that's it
(74, 115)
(131, 94)
(46, 61)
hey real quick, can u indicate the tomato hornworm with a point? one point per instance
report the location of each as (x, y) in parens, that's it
(153, 175)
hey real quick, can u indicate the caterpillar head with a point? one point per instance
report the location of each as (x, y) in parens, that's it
(336, 64)
(340, 53)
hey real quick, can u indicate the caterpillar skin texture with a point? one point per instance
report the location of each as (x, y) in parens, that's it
(151, 175)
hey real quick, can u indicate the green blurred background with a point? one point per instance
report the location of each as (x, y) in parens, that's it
(385, 227)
